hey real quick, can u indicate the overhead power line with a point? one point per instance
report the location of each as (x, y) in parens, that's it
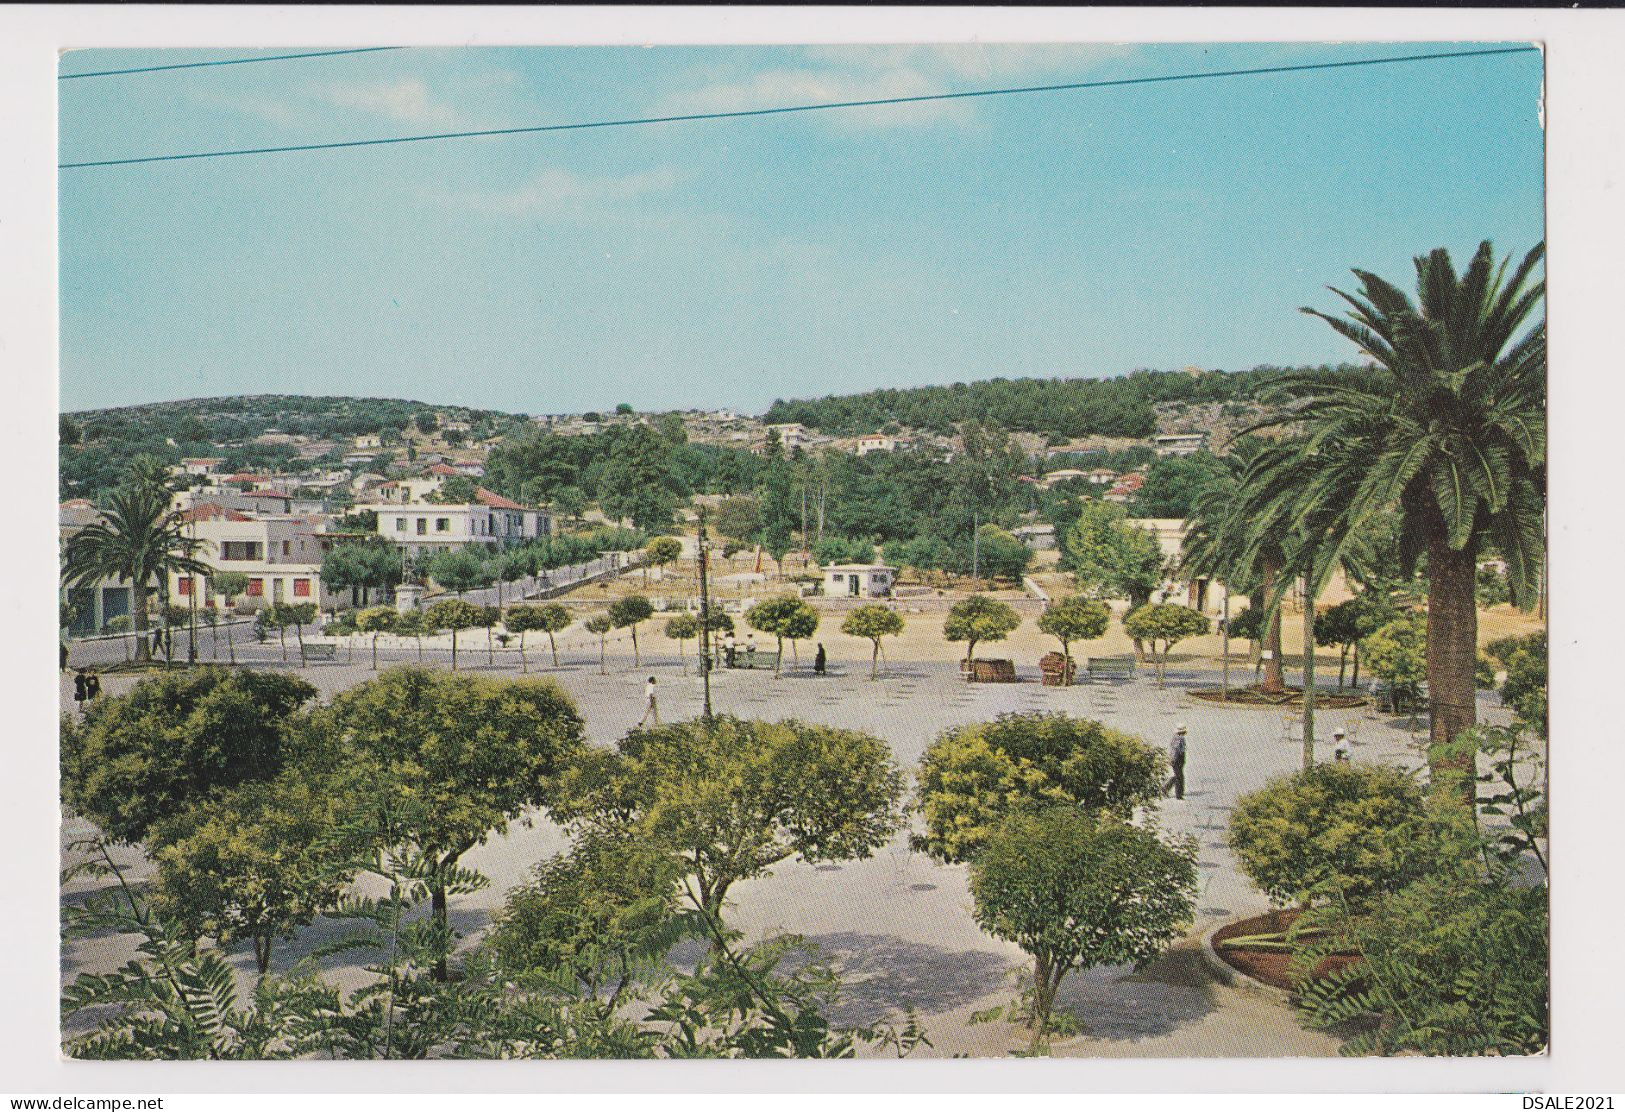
(228, 62)
(818, 107)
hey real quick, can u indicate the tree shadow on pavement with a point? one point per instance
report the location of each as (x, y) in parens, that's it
(1115, 1002)
(882, 975)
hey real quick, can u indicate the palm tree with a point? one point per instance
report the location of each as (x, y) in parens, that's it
(1449, 426)
(1223, 542)
(138, 539)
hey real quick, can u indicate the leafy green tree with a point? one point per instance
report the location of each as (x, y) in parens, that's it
(361, 567)
(739, 521)
(973, 777)
(1111, 558)
(254, 862)
(873, 622)
(600, 624)
(411, 624)
(1524, 689)
(571, 501)
(1347, 624)
(732, 798)
(453, 614)
(1397, 654)
(1077, 890)
(635, 484)
(843, 550)
(174, 740)
(627, 613)
(1074, 618)
(525, 619)
(1355, 829)
(376, 620)
(1449, 426)
(783, 617)
(661, 551)
(979, 618)
(603, 915)
(1164, 625)
(459, 570)
(298, 615)
(510, 566)
(1174, 485)
(1000, 555)
(682, 628)
(472, 753)
(138, 540)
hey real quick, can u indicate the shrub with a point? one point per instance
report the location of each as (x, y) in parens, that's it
(1334, 828)
(972, 777)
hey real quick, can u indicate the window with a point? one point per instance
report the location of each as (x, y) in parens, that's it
(256, 588)
(286, 548)
(423, 526)
(185, 586)
(400, 525)
(301, 588)
(442, 525)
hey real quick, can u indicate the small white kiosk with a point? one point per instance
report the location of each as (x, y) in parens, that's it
(859, 580)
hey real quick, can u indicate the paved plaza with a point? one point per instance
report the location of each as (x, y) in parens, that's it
(898, 925)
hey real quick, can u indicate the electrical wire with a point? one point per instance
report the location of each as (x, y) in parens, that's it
(787, 109)
(227, 62)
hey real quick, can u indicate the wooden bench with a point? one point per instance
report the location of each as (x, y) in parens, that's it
(1116, 667)
(744, 658)
(318, 652)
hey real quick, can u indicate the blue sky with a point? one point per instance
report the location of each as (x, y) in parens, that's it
(726, 263)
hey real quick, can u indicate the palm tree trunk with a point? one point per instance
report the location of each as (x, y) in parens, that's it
(138, 620)
(1308, 676)
(1452, 652)
(1274, 682)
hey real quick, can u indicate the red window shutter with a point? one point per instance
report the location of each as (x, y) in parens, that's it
(301, 588)
(256, 588)
(185, 586)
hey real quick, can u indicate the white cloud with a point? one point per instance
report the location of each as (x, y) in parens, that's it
(847, 73)
(559, 194)
(407, 100)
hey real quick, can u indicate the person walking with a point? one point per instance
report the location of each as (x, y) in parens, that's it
(1176, 761)
(81, 690)
(650, 708)
(93, 686)
(820, 660)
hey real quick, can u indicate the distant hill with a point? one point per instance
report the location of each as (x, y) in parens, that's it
(1062, 408)
(97, 444)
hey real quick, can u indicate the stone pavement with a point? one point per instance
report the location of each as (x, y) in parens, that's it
(899, 925)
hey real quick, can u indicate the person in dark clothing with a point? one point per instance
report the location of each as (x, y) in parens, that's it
(1176, 761)
(820, 660)
(93, 686)
(64, 664)
(80, 687)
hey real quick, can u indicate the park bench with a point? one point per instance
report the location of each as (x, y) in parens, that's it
(745, 658)
(1113, 667)
(992, 671)
(318, 652)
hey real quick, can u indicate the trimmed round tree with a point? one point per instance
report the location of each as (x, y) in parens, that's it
(453, 614)
(1163, 625)
(522, 620)
(733, 797)
(1338, 831)
(1076, 890)
(1397, 654)
(972, 777)
(376, 620)
(784, 617)
(470, 753)
(626, 613)
(661, 551)
(173, 740)
(1074, 618)
(683, 628)
(977, 619)
(601, 624)
(873, 621)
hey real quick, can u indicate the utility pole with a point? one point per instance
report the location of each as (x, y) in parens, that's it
(975, 544)
(705, 619)
(1224, 642)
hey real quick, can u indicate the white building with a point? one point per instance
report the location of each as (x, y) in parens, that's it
(203, 466)
(876, 442)
(281, 554)
(369, 440)
(859, 580)
(1038, 537)
(424, 529)
(792, 435)
(1179, 443)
